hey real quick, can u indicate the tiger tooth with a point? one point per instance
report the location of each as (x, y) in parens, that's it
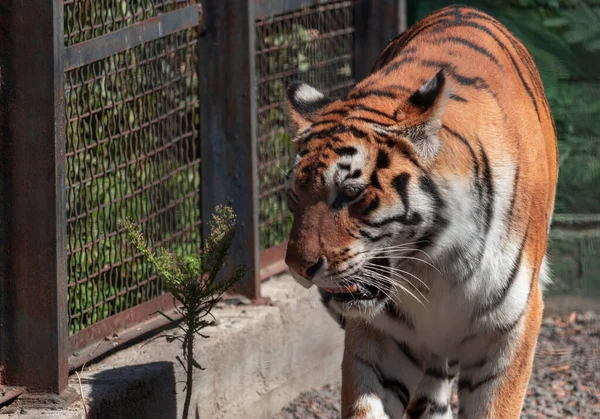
(352, 288)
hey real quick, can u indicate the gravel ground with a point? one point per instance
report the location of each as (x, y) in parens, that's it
(565, 381)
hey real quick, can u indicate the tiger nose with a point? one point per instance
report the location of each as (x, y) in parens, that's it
(312, 270)
(304, 268)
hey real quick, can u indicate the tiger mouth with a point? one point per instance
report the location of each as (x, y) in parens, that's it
(352, 291)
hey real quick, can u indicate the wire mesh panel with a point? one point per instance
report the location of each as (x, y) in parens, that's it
(88, 19)
(131, 135)
(314, 45)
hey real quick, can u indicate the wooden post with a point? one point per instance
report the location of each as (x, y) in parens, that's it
(376, 22)
(228, 128)
(33, 280)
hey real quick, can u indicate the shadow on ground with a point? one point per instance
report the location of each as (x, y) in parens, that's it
(133, 392)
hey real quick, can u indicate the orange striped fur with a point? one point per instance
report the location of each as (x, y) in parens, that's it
(422, 202)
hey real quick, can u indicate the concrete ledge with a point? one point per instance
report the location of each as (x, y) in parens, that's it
(257, 360)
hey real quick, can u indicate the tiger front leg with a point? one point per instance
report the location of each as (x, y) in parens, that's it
(362, 392)
(376, 377)
(493, 384)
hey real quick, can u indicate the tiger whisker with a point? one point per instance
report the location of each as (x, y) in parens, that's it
(396, 246)
(399, 271)
(376, 283)
(409, 258)
(385, 279)
(402, 250)
(405, 279)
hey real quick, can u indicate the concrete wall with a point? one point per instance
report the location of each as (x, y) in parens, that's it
(257, 360)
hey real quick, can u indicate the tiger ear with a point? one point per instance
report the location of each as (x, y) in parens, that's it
(423, 115)
(304, 103)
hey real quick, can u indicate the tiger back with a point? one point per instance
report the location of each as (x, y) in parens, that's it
(422, 203)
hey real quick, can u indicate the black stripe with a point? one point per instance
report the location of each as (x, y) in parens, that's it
(520, 49)
(372, 206)
(316, 135)
(375, 181)
(414, 219)
(345, 151)
(429, 187)
(369, 93)
(489, 190)
(395, 65)
(398, 388)
(465, 384)
(324, 122)
(357, 132)
(398, 315)
(439, 221)
(373, 110)
(409, 354)
(439, 374)
(398, 87)
(425, 404)
(499, 298)
(475, 82)
(453, 363)
(458, 98)
(383, 159)
(335, 112)
(374, 239)
(390, 384)
(509, 327)
(505, 49)
(475, 365)
(400, 183)
(513, 201)
(471, 45)
(366, 120)
(371, 366)
(344, 166)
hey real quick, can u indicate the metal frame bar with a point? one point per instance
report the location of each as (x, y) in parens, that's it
(139, 33)
(100, 338)
(228, 130)
(33, 347)
(268, 8)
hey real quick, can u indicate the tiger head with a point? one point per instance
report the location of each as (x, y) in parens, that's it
(362, 200)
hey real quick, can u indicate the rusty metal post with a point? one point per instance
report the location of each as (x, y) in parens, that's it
(376, 23)
(228, 128)
(33, 310)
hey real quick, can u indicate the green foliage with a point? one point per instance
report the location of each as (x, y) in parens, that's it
(193, 280)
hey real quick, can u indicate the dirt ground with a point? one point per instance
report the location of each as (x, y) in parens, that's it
(565, 381)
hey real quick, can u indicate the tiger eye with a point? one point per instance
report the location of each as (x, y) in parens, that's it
(351, 193)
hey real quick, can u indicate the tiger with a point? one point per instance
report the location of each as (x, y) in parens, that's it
(421, 204)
